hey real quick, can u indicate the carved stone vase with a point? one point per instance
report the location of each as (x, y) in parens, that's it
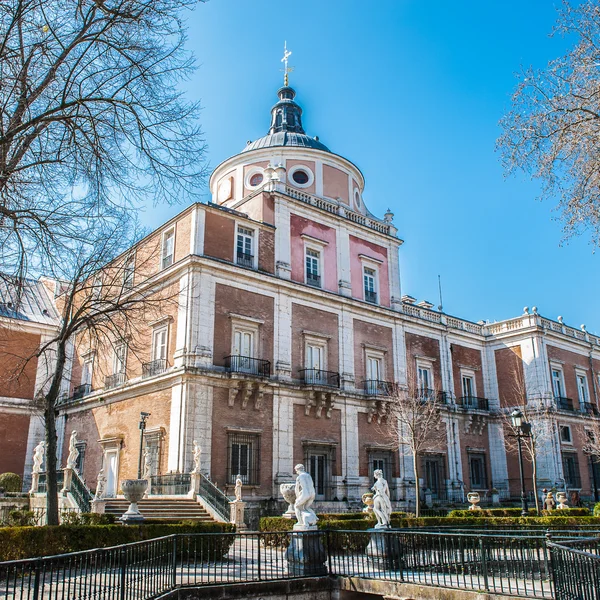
(288, 491)
(133, 490)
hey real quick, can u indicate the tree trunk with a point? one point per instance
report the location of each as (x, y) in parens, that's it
(417, 490)
(51, 399)
(535, 486)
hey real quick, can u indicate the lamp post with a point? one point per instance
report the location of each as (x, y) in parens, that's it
(523, 429)
(142, 426)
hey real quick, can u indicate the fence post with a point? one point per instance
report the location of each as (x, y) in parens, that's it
(484, 565)
(36, 583)
(174, 570)
(328, 550)
(123, 572)
(548, 563)
(259, 558)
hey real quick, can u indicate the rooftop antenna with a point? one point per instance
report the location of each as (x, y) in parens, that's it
(441, 306)
(286, 70)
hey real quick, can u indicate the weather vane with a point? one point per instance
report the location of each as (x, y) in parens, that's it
(286, 70)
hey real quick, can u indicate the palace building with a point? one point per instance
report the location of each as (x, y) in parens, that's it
(289, 333)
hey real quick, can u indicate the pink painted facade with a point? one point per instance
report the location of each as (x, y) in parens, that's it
(299, 226)
(360, 253)
(335, 183)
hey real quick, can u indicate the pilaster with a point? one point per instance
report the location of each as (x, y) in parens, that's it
(175, 458)
(399, 342)
(343, 260)
(282, 351)
(497, 453)
(346, 349)
(394, 278)
(283, 440)
(351, 452)
(198, 226)
(200, 426)
(283, 252)
(203, 320)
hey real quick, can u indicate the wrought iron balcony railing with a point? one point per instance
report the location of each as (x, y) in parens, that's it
(154, 367)
(313, 279)
(244, 260)
(564, 403)
(473, 402)
(375, 387)
(114, 380)
(320, 377)
(81, 390)
(590, 409)
(249, 365)
(371, 297)
(429, 394)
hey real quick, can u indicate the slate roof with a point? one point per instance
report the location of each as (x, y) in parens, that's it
(286, 138)
(35, 304)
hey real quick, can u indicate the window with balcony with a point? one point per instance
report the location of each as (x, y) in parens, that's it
(582, 390)
(85, 386)
(168, 248)
(370, 284)
(557, 383)
(244, 253)
(243, 450)
(315, 362)
(375, 384)
(129, 272)
(118, 367)
(565, 434)
(477, 471)
(468, 386)
(158, 363)
(313, 267)
(424, 381)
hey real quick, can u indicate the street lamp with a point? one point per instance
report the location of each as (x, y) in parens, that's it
(142, 426)
(523, 429)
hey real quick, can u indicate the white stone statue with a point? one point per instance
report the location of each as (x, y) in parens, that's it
(561, 497)
(474, 498)
(73, 452)
(197, 452)
(382, 505)
(100, 485)
(38, 457)
(148, 462)
(238, 489)
(305, 496)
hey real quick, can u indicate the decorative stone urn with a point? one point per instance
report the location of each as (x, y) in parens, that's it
(561, 497)
(133, 490)
(288, 491)
(368, 502)
(474, 499)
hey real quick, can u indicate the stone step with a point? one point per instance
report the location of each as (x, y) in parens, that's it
(164, 509)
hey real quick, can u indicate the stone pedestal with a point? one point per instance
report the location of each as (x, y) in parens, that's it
(194, 485)
(35, 482)
(98, 506)
(306, 555)
(384, 549)
(68, 476)
(236, 513)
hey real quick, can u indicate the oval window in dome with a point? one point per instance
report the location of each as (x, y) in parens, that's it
(256, 179)
(300, 177)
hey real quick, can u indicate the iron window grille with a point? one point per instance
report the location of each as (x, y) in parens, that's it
(243, 458)
(571, 470)
(320, 462)
(477, 472)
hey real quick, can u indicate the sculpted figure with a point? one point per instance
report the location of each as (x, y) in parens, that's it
(238, 488)
(100, 485)
(147, 464)
(73, 452)
(197, 452)
(382, 505)
(305, 496)
(38, 457)
(549, 502)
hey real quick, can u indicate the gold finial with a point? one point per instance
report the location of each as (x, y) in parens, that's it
(286, 70)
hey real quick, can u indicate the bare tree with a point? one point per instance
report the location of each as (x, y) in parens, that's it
(91, 118)
(101, 305)
(553, 128)
(414, 417)
(590, 433)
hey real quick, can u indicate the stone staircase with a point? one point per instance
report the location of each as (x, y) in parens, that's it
(165, 509)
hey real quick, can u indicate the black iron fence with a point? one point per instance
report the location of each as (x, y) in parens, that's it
(171, 484)
(213, 496)
(576, 568)
(518, 565)
(81, 493)
(249, 365)
(320, 377)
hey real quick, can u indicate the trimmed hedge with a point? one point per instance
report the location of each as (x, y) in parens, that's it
(597, 509)
(27, 542)
(516, 512)
(10, 482)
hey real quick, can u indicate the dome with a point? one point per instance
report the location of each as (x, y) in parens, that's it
(286, 126)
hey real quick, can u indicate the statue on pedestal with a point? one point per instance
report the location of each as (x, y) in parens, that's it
(305, 496)
(197, 452)
(73, 452)
(238, 488)
(549, 502)
(148, 462)
(38, 457)
(100, 485)
(382, 505)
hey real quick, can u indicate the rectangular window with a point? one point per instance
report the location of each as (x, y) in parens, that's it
(244, 247)
(244, 458)
(370, 284)
(477, 471)
(557, 383)
(374, 368)
(565, 434)
(319, 461)
(571, 470)
(315, 357)
(159, 343)
(313, 272)
(433, 473)
(129, 272)
(168, 248)
(86, 372)
(424, 380)
(119, 359)
(468, 386)
(382, 460)
(582, 389)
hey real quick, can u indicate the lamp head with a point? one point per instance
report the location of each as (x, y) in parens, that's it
(516, 416)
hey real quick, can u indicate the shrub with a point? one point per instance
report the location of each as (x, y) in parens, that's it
(597, 509)
(11, 482)
(26, 542)
(75, 518)
(21, 518)
(516, 513)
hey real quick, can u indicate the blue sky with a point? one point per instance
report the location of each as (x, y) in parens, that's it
(411, 92)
